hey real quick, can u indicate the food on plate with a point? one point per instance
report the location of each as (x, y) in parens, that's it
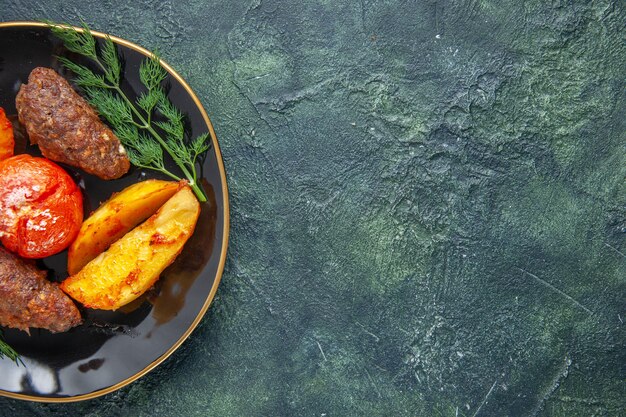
(114, 218)
(147, 137)
(66, 128)
(41, 207)
(7, 142)
(28, 299)
(134, 262)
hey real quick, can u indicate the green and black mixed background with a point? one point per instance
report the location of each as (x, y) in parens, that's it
(428, 206)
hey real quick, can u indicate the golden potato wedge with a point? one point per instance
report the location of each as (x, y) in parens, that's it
(133, 263)
(116, 217)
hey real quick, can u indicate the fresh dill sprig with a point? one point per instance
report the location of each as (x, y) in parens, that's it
(134, 123)
(7, 351)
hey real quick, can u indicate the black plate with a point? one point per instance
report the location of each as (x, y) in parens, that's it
(113, 349)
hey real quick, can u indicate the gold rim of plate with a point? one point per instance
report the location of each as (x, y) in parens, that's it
(225, 230)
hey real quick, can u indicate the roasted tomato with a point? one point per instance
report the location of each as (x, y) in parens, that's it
(41, 207)
(7, 143)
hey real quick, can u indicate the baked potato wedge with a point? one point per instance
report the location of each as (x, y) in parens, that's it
(116, 217)
(133, 263)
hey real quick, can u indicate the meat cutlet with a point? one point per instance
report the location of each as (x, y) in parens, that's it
(66, 128)
(28, 299)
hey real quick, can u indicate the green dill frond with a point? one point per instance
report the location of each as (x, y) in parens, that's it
(80, 42)
(128, 134)
(142, 151)
(151, 73)
(149, 155)
(8, 351)
(201, 144)
(133, 121)
(139, 159)
(174, 129)
(115, 110)
(147, 101)
(147, 152)
(179, 153)
(167, 109)
(84, 77)
(133, 157)
(173, 125)
(111, 61)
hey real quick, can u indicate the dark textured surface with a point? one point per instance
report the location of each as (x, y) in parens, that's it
(428, 207)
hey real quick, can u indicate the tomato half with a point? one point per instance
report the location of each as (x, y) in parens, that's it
(41, 207)
(7, 142)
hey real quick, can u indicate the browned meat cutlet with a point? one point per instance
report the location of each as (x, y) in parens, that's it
(66, 128)
(28, 299)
